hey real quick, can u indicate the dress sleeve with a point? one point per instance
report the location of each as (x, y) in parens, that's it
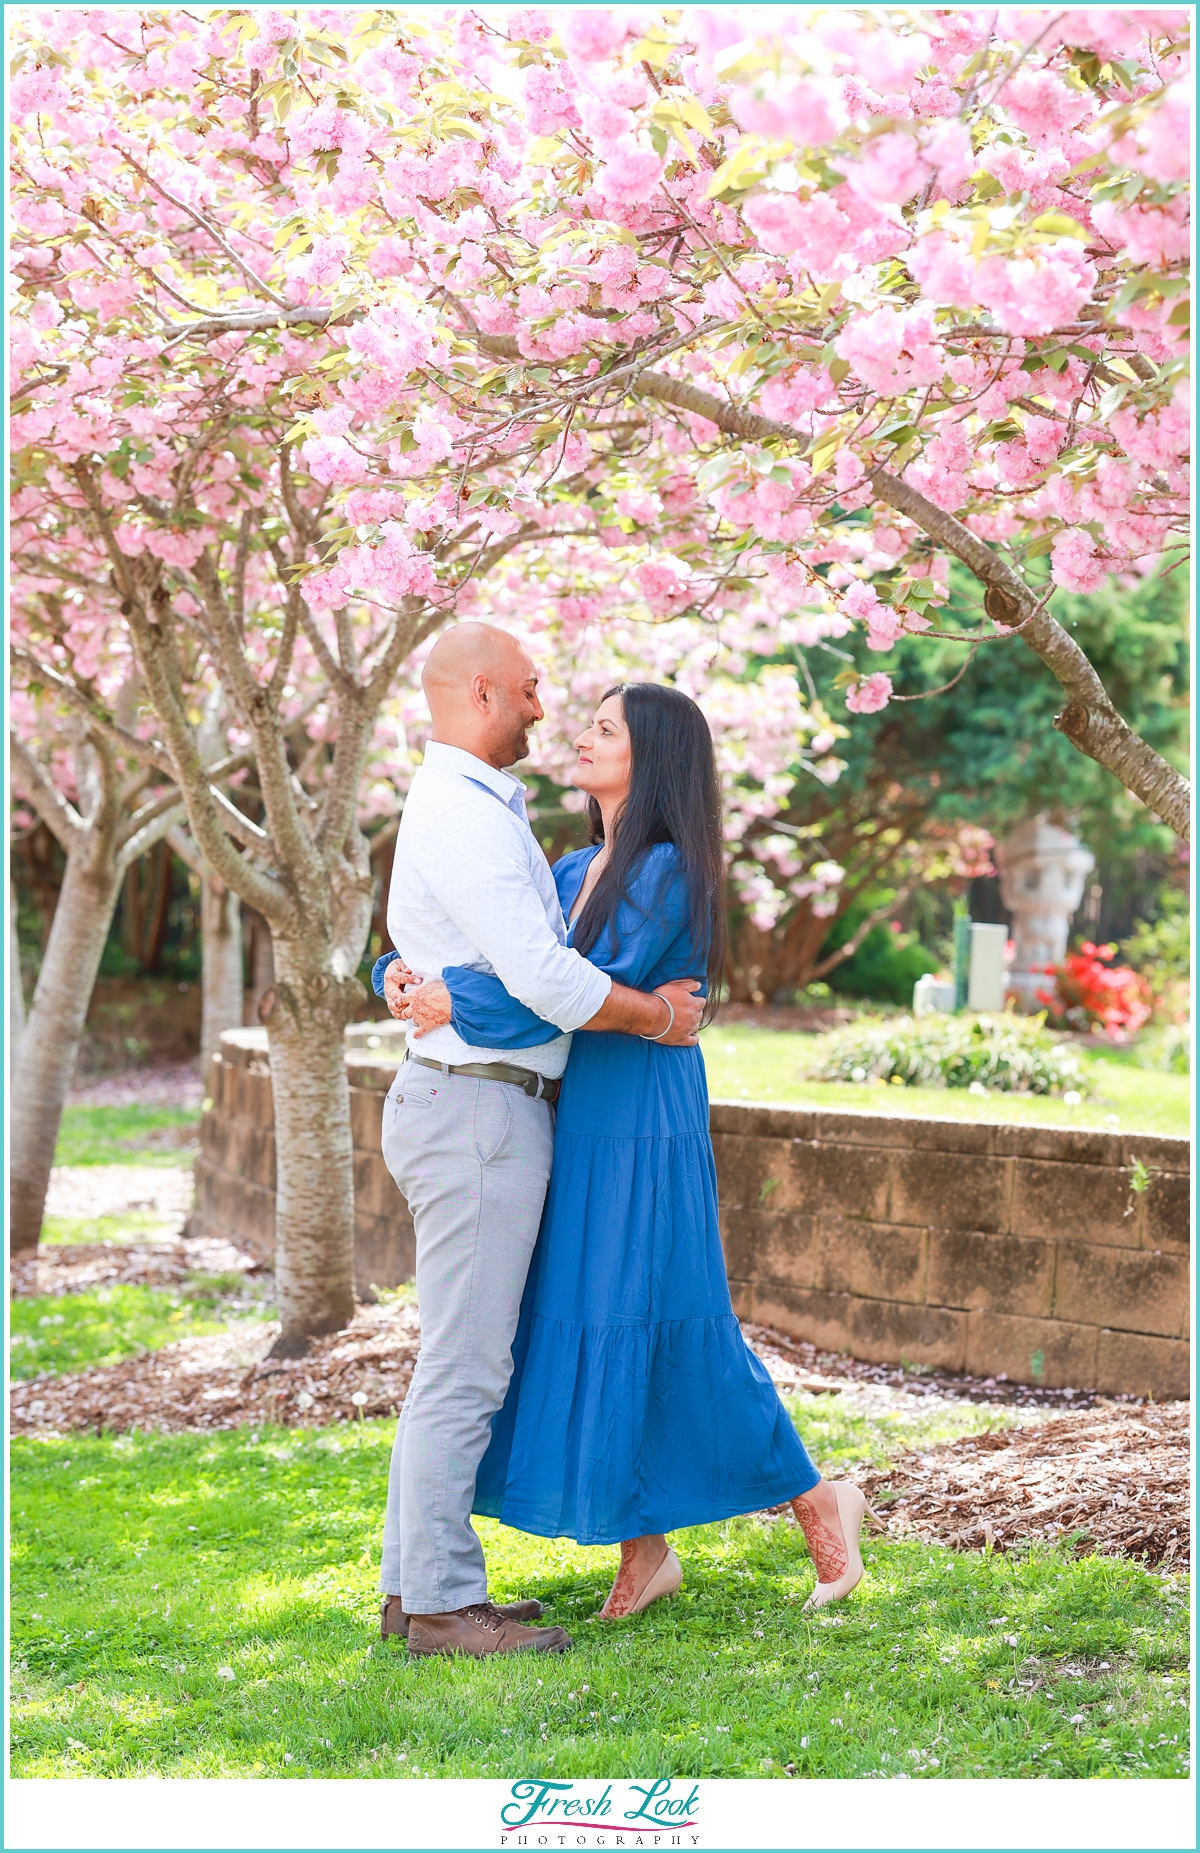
(652, 935)
(487, 1016)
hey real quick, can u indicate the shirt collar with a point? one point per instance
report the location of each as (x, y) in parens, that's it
(443, 758)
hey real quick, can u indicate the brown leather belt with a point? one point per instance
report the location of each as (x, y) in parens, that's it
(537, 1086)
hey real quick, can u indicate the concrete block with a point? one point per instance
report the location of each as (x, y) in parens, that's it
(1068, 1202)
(1047, 1351)
(375, 1194)
(852, 1177)
(1011, 1274)
(1077, 1145)
(874, 1260)
(1167, 1211)
(366, 1118)
(881, 1331)
(250, 1153)
(770, 1245)
(1128, 1289)
(930, 1135)
(1166, 1153)
(749, 1170)
(385, 1251)
(1141, 1366)
(750, 1120)
(882, 1130)
(950, 1190)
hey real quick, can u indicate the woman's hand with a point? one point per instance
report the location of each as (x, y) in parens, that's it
(430, 1007)
(395, 978)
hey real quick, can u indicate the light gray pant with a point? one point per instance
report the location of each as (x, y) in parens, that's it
(473, 1159)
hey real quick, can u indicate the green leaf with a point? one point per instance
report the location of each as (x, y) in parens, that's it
(1181, 315)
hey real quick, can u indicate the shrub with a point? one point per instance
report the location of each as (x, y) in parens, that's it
(1090, 992)
(1015, 1055)
(1161, 952)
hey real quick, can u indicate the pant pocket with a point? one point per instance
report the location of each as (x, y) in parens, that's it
(493, 1120)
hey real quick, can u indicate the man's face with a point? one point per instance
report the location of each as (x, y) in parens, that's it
(515, 707)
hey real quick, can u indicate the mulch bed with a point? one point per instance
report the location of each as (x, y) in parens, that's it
(1111, 1473)
(1114, 1478)
(229, 1382)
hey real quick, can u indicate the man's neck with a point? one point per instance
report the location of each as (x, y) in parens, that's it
(468, 746)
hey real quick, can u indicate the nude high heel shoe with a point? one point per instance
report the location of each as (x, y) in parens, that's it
(852, 1510)
(665, 1582)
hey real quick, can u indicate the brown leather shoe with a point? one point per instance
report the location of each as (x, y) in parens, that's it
(393, 1620)
(478, 1630)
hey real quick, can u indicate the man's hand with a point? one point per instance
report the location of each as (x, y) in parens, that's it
(640, 1013)
(687, 1001)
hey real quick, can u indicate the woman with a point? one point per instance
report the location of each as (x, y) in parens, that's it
(635, 1406)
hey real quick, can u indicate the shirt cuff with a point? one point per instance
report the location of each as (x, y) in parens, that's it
(593, 994)
(378, 969)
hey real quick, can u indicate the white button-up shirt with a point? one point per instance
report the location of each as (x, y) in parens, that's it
(470, 886)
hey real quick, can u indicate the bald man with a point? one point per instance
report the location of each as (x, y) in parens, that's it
(469, 1139)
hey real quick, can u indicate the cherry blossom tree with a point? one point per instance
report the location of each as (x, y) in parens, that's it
(327, 316)
(106, 809)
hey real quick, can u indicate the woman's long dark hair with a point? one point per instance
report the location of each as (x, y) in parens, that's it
(674, 797)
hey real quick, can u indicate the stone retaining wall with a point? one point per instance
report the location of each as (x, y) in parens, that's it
(986, 1248)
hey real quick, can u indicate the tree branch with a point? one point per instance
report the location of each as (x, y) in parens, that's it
(1089, 721)
(35, 785)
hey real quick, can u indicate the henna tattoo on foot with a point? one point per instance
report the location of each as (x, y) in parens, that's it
(826, 1548)
(622, 1595)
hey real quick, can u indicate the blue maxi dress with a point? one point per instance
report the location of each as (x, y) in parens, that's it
(635, 1405)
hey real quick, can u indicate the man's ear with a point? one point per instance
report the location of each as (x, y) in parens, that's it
(481, 690)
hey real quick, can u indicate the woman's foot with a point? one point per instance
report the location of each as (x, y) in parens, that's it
(649, 1569)
(831, 1518)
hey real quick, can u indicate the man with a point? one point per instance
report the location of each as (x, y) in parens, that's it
(468, 1139)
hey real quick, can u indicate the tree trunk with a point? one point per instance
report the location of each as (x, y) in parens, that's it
(53, 1031)
(306, 1012)
(222, 989)
(16, 991)
(763, 961)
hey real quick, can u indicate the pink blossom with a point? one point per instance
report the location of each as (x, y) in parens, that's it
(1158, 235)
(794, 109)
(548, 106)
(890, 349)
(592, 34)
(871, 694)
(1033, 295)
(1073, 564)
(789, 396)
(666, 583)
(1041, 104)
(1160, 147)
(631, 173)
(890, 172)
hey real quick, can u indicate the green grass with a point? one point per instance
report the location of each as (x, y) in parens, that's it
(144, 1567)
(125, 1135)
(748, 1063)
(129, 1226)
(102, 1325)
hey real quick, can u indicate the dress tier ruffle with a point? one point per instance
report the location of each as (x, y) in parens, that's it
(635, 1404)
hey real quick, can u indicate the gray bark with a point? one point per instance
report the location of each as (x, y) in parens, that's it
(305, 1013)
(53, 1031)
(222, 988)
(16, 991)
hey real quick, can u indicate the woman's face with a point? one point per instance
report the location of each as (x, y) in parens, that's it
(605, 756)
